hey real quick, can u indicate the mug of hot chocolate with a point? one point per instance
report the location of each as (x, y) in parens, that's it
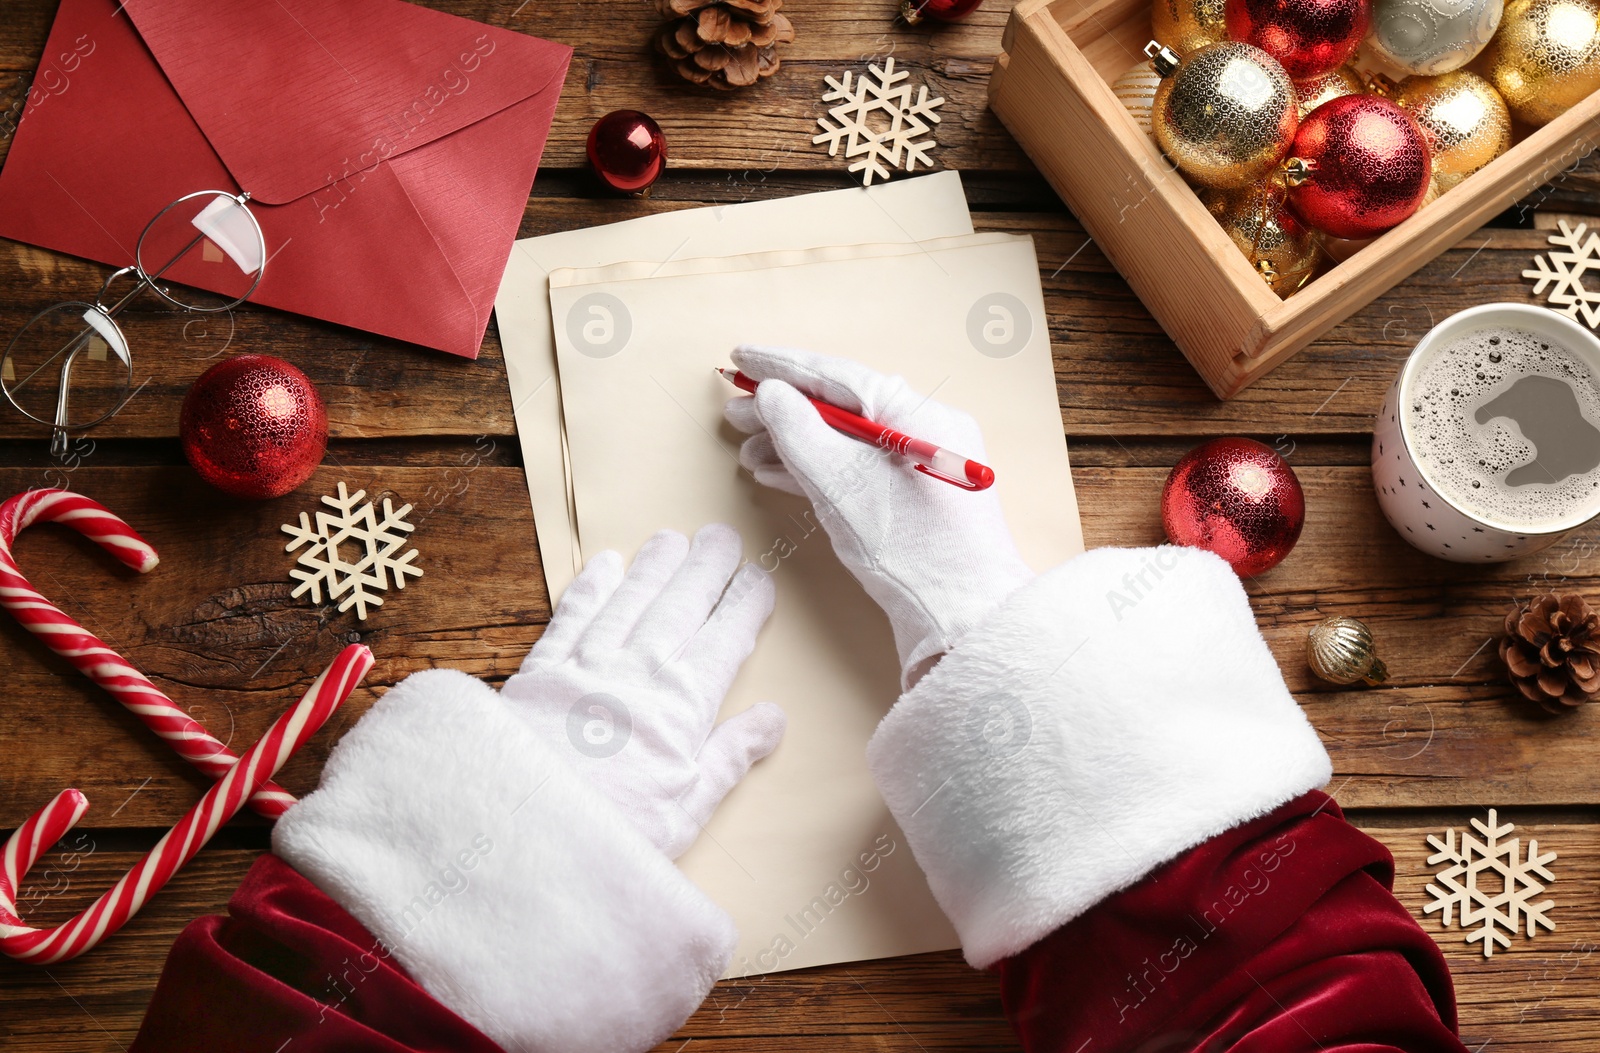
(1488, 444)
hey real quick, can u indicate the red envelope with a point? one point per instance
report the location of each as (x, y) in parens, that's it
(388, 149)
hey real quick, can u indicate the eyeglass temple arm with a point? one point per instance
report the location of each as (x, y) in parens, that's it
(58, 435)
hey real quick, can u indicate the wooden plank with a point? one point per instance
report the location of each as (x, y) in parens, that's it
(372, 386)
(1116, 371)
(1540, 995)
(95, 1003)
(215, 627)
(1447, 728)
(613, 68)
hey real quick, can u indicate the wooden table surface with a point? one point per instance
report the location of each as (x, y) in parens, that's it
(216, 628)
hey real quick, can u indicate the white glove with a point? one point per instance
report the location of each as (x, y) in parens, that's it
(935, 557)
(627, 679)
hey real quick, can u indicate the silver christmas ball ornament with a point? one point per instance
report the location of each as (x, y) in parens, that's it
(1429, 37)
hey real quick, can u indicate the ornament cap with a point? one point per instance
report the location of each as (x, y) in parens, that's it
(1297, 170)
(1379, 84)
(1163, 58)
(910, 12)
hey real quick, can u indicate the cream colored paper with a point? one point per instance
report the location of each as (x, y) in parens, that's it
(963, 319)
(932, 206)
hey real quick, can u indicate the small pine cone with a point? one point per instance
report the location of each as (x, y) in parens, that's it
(1552, 651)
(723, 43)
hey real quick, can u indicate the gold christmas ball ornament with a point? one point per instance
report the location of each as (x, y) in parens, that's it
(1429, 37)
(1314, 91)
(1463, 118)
(1341, 650)
(1136, 89)
(1225, 114)
(1545, 58)
(1184, 25)
(1283, 250)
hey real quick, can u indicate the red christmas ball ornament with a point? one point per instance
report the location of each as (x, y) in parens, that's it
(628, 151)
(254, 426)
(1237, 498)
(1358, 166)
(1307, 37)
(914, 11)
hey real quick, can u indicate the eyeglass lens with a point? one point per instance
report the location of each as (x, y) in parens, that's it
(203, 252)
(77, 338)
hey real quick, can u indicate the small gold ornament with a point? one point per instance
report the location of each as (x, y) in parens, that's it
(1225, 114)
(1137, 91)
(1340, 650)
(1463, 118)
(1184, 25)
(1314, 91)
(1283, 250)
(1546, 57)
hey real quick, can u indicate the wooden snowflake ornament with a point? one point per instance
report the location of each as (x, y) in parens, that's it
(879, 121)
(1563, 274)
(1490, 883)
(376, 545)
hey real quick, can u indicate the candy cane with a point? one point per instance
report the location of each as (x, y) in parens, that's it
(178, 845)
(93, 658)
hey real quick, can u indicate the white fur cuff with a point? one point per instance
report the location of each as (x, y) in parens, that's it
(1110, 715)
(503, 883)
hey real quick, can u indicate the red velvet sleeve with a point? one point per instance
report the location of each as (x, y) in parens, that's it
(288, 970)
(1279, 936)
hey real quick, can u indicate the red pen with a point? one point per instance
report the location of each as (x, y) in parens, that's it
(925, 456)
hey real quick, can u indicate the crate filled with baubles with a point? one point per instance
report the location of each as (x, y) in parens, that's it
(1331, 146)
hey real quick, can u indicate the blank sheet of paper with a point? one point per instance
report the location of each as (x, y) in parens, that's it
(804, 854)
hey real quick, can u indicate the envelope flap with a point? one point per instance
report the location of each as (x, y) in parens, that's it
(297, 94)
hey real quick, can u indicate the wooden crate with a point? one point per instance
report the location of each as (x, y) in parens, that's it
(1052, 88)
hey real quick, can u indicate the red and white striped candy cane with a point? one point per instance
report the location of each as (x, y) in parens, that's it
(222, 802)
(93, 658)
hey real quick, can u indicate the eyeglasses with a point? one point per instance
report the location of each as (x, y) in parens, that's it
(80, 345)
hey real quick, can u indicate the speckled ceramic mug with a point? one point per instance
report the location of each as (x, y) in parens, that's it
(1451, 527)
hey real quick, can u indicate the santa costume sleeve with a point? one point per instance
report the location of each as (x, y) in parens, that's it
(1115, 800)
(452, 885)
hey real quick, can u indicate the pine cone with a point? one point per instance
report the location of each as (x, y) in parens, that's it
(1552, 651)
(723, 43)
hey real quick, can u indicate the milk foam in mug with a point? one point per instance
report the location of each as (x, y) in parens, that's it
(1488, 443)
